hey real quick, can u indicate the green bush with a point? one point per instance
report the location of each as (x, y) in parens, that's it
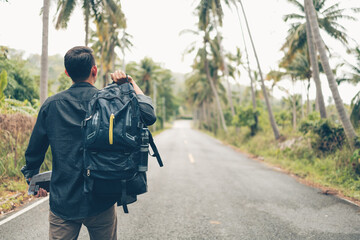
(325, 135)
(283, 118)
(246, 117)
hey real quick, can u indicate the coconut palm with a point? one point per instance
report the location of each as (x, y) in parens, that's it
(96, 8)
(253, 94)
(348, 127)
(199, 93)
(328, 20)
(44, 53)
(271, 115)
(300, 37)
(315, 69)
(108, 28)
(212, 10)
(204, 25)
(300, 69)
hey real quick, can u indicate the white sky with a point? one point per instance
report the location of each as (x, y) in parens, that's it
(155, 26)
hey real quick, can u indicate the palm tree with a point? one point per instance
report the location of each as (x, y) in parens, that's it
(300, 68)
(328, 18)
(66, 7)
(44, 53)
(205, 27)
(108, 28)
(253, 98)
(315, 69)
(300, 37)
(147, 72)
(214, 6)
(199, 94)
(271, 115)
(348, 127)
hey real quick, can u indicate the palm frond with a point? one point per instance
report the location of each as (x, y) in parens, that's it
(64, 11)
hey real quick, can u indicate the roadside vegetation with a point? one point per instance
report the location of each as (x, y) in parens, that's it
(315, 141)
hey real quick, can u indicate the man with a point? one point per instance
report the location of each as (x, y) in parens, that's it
(59, 125)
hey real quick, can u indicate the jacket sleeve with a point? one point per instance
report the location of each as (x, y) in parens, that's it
(146, 109)
(38, 145)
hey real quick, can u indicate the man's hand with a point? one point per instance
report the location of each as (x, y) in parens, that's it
(120, 77)
(41, 193)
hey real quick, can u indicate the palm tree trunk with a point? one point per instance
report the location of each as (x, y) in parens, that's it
(294, 111)
(348, 127)
(226, 69)
(212, 85)
(308, 109)
(293, 104)
(253, 95)
(44, 53)
(271, 115)
(314, 66)
(123, 51)
(87, 19)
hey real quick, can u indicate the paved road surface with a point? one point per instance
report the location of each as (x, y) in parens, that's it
(208, 191)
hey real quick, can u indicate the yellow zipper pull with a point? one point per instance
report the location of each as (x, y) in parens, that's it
(111, 127)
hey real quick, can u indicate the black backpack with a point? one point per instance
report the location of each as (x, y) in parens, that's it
(116, 146)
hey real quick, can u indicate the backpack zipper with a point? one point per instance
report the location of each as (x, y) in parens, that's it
(88, 173)
(111, 127)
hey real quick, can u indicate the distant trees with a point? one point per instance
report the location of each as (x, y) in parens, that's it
(157, 82)
(20, 84)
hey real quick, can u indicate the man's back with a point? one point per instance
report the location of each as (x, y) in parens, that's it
(59, 124)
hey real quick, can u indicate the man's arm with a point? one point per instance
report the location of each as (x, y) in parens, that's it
(38, 145)
(145, 102)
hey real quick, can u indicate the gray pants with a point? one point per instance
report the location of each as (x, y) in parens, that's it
(100, 227)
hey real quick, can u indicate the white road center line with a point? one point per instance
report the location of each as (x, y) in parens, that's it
(191, 158)
(23, 210)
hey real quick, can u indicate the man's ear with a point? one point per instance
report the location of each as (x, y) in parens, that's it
(94, 71)
(67, 74)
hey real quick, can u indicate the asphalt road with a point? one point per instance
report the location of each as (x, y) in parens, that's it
(209, 191)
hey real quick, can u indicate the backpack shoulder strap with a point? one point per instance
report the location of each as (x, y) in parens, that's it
(154, 148)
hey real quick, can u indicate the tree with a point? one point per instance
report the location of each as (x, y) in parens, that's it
(203, 11)
(44, 53)
(348, 127)
(21, 85)
(299, 37)
(66, 7)
(217, 16)
(328, 20)
(315, 68)
(106, 39)
(271, 115)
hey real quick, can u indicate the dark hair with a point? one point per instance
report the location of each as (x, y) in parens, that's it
(78, 62)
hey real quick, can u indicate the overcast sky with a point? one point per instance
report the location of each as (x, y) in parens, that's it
(155, 26)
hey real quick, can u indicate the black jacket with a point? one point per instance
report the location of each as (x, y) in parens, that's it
(59, 125)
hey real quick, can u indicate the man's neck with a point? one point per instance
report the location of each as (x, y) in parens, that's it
(89, 80)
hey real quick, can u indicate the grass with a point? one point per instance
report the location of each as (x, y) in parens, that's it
(13, 193)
